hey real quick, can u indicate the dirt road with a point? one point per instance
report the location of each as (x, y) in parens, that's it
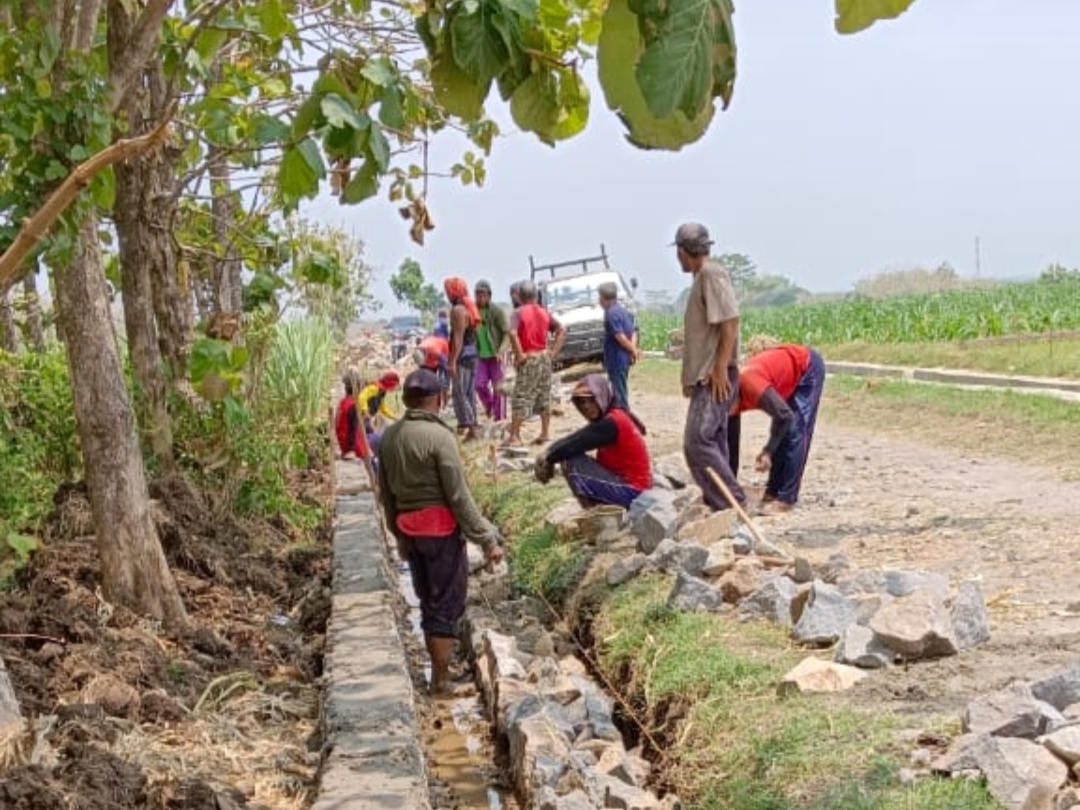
(886, 502)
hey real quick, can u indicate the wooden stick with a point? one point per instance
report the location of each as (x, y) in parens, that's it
(742, 513)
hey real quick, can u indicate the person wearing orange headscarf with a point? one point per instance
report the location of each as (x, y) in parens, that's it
(464, 319)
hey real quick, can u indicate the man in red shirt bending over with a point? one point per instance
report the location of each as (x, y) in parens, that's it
(786, 382)
(621, 470)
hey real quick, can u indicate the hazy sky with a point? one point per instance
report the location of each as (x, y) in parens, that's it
(838, 157)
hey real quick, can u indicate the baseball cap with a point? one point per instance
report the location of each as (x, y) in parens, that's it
(423, 381)
(693, 237)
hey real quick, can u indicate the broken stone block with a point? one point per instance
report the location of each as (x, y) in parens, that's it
(815, 675)
(625, 569)
(721, 558)
(1010, 712)
(971, 622)
(539, 735)
(614, 762)
(672, 467)
(563, 515)
(893, 582)
(653, 516)
(742, 580)
(620, 796)
(599, 710)
(672, 556)
(860, 648)
(1019, 774)
(915, 626)
(771, 601)
(825, 617)
(1060, 690)
(1064, 743)
(690, 595)
(705, 531)
(476, 557)
(802, 572)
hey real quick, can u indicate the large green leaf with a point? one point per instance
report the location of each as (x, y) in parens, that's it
(455, 91)
(363, 185)
(535, 105)
(301, 170)
(477, 45)
(689, 54)
(853, 16)
(574, 101)
(266, 129)
(618, 52)
(339, 113)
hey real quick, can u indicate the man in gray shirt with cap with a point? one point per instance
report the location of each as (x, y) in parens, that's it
(710, 371)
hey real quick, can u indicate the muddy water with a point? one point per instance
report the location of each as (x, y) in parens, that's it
(456, 732)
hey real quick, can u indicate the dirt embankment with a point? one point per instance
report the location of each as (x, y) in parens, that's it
(125, 715)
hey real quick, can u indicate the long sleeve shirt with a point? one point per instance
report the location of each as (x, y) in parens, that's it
(420, 467)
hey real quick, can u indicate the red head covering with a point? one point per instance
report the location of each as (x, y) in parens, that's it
(457, 291)
(389, 381)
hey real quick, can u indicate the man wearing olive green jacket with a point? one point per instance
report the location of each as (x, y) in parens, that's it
(431, 513)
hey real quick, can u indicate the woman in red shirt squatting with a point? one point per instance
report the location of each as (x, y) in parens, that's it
(621, 470)
(785, 382)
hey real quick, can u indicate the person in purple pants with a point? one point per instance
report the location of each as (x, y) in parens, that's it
(490, 341)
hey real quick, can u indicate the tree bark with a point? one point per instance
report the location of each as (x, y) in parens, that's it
(227, 281)
(9, 336)
(33, 314)
(139, 233)
(134, 571)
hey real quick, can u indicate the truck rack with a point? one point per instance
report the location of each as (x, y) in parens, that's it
(535, 268)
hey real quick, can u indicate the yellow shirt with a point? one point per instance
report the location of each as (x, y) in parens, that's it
(370, 392)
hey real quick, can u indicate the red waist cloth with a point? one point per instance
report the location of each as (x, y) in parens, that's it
(433, 521)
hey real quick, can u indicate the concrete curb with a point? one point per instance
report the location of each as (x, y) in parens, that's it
(372, 758)
(1050, 386)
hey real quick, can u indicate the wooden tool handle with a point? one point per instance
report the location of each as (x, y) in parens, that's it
(742, 513)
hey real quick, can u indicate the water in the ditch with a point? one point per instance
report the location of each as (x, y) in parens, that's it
(456, 732)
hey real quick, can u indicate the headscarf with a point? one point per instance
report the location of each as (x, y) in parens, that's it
(598, 386)
(457, 291)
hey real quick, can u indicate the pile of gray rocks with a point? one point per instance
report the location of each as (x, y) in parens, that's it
(1024, 740)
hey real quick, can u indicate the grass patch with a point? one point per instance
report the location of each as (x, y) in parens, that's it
(705, 687)
(543, 563)
(656, 376)
(1040, 356)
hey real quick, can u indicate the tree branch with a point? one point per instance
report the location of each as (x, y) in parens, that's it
(35, 228)
(144, 40)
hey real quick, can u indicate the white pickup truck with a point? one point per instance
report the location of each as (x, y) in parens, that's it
(571, 294)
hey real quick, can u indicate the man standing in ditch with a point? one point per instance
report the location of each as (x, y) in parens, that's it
(710, 371)
(431, 512)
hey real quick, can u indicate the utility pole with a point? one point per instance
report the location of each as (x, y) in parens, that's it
(978, 258)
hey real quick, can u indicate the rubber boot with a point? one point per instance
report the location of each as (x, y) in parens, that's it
(441, 651)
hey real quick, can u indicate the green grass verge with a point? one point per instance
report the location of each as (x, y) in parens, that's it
(704, 685)
(1038, 357)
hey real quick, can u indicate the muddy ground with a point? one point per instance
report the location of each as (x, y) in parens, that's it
(126, 715)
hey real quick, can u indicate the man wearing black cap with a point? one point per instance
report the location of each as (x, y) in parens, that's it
(710, 371)
(431, 512)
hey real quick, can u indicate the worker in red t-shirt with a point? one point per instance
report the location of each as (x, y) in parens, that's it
(784, 381)
(530, 327)
(621, 470)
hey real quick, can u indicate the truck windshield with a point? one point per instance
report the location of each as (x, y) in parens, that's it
(573, 293)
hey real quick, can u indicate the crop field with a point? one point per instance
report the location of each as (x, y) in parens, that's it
(1009, 309)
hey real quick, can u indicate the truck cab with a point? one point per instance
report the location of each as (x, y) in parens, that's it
(570, 292)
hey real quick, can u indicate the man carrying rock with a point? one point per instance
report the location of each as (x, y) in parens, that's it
(431, 512)
(710, 372)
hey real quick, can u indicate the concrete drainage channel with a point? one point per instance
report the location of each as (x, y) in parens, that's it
(539, 734)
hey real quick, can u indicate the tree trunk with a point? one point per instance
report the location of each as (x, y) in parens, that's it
(227, 284)
(137, 195)
(9, 336)
(134, 572)
(33, 313)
